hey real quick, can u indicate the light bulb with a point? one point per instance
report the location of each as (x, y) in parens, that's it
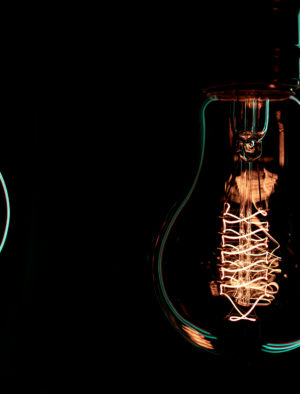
(227, 256)
(226, 263)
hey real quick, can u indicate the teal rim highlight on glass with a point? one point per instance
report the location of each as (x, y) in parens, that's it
(280, 347)
(7, 212)
(206, 334)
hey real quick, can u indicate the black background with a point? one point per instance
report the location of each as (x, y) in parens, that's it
(44, 263)
(99, 131)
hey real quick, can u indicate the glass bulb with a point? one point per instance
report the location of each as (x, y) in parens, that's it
(226, 262)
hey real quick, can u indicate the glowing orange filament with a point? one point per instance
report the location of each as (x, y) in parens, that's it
(248, 262)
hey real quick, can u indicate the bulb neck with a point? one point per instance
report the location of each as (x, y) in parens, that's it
(244, 91)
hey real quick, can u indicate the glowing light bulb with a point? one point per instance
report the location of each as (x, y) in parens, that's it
(226, 258)
(226, 262)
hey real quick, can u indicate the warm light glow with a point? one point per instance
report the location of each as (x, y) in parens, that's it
(262, 186)
(281, 139)
(197, 338)
(248, 262)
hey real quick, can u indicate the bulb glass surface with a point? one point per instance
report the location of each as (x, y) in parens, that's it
(226, 262)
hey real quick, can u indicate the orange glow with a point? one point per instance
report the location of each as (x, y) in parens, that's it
(248, 262)
(197, 338)
(262, 186)
(281, 139)
(214, 288)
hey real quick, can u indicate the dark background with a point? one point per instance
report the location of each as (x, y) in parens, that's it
(99, 131)
(35, 294)
(44, 262)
